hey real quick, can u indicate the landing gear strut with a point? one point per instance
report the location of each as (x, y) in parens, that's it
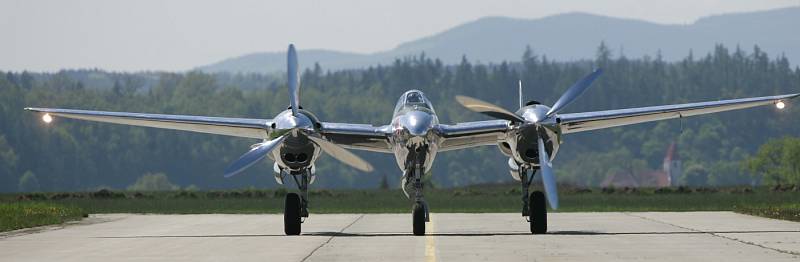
(296, 206)
(533, 205)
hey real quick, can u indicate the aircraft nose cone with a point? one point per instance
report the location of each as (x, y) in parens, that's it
(418, 123)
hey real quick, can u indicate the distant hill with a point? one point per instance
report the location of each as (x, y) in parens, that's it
(562, 37)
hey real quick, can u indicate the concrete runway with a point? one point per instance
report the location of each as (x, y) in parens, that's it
(611, 236)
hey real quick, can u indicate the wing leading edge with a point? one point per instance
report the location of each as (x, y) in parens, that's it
(358, 136)
(578, 122)
(239, 127)
(472, 134)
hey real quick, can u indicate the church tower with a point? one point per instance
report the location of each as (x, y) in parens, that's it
(672, 164)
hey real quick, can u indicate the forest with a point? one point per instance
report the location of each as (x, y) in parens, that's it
(715, 150)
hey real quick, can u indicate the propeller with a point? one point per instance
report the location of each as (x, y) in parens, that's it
(486, 108)
(574, 92)
(257, 153)
(261, 150)
(548, 179)
(342, 154)
(293, 75)
(489, 109)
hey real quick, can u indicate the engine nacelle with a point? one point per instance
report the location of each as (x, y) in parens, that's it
(523, 145)
(297, 153)
(527, 146)
(523, 142)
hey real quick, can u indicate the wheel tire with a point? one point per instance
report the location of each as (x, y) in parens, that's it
(419, 220)
(291, 214)
(538, 213)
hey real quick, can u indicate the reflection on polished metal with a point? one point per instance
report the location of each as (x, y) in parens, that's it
(530, 137)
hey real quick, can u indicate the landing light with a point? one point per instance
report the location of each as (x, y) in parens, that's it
(780, 104)
(47, 118)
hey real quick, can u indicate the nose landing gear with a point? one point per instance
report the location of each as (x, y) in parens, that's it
(419, 211)
(412, 180)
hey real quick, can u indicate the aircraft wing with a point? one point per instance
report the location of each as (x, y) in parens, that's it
(376, 138)
(240, 127)
(471, 134)
(578, 122)
(358, 136)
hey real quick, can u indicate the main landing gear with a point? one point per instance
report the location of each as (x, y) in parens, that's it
(296, 205)
(533, 205)
(291, 214)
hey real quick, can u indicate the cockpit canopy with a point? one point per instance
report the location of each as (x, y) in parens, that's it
(413, 99)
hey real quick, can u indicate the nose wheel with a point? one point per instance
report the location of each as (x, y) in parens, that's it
(419, 214)
(419, 211)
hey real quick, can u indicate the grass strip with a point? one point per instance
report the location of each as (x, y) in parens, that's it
(789, 212)
(31, 214)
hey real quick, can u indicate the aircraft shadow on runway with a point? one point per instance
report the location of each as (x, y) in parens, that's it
(459, 234)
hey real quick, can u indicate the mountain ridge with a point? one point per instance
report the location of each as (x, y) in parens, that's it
(562, 37)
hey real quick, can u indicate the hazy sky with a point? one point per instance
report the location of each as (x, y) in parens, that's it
(137, 35)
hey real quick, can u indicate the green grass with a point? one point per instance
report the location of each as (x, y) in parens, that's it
(781, 211)
(30, 214)
(26, 210)
(496, 198)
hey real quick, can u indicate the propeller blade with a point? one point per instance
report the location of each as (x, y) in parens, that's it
(253, 156)
(342, 154)
(574, 92)
(548, 178)
(294, 80)
(488, 109)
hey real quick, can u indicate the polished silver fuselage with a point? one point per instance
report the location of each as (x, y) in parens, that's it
(414, 139)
